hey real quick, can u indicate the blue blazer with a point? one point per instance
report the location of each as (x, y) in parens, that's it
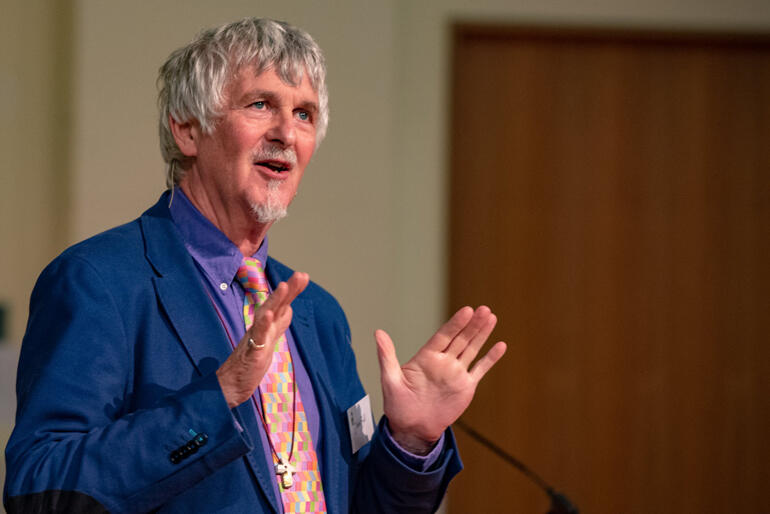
(119, 408)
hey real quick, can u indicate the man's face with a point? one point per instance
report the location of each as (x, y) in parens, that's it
(255, 157)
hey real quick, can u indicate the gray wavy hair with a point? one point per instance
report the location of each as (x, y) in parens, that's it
(191, 82)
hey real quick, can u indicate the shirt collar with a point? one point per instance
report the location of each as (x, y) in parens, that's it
(217, 256)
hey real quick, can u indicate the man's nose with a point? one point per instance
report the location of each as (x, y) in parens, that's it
(282, 130)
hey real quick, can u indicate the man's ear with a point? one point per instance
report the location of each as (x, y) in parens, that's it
(186, 135)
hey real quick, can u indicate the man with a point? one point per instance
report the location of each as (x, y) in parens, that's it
(169, 365)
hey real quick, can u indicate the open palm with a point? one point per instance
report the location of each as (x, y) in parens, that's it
(426, 395)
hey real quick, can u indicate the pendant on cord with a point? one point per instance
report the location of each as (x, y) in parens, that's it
(285, 470)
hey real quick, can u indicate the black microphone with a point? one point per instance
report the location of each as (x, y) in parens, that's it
(560, 504)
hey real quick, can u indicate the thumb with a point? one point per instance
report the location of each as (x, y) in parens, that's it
(386, 354)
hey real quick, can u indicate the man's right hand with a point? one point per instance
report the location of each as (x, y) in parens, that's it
(240, 375)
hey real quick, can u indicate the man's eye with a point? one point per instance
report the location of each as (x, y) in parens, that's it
(303, 115)
(259, 104)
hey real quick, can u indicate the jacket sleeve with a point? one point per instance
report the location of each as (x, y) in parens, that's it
(78, 445)
(387, 484)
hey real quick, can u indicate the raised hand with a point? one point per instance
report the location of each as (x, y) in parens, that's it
(243, 370)
(426, 395)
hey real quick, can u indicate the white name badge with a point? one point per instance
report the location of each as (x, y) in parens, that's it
(360, 423)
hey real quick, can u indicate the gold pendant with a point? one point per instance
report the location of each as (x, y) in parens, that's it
(285, 470)
(287, 480)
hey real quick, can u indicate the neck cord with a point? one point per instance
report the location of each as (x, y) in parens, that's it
(293, 418)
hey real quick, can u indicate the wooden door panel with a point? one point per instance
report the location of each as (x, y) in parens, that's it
(610, 201)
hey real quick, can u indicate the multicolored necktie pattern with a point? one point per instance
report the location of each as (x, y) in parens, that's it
(306, 493)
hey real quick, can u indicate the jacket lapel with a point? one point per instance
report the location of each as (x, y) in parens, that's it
(181, 293)
(194, 318)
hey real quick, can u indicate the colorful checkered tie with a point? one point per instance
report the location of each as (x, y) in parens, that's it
(305, 494)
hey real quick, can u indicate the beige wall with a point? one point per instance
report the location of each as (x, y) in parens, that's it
(369, 222)
(34, 93)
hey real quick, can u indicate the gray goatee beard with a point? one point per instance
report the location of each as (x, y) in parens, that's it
(272, 209)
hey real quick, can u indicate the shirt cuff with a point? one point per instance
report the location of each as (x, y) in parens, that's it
(419, 463)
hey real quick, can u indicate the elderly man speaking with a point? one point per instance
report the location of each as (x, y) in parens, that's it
(170, 365)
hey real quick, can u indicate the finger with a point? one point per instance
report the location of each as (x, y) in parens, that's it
(296, 284)
(268, 328)
(276, 298)
(386, 355)
(286, 292)
(469, 331)
(474, 345)
(260, 333)
(283, 321)
(487, 361)
(449, 330)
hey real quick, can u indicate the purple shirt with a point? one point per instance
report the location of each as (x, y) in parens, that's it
(218, 260)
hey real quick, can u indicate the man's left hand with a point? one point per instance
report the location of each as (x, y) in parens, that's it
(426, 395)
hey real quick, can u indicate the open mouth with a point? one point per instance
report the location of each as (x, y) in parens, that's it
(276, 166)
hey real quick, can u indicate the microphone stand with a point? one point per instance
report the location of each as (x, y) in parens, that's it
(560, 504)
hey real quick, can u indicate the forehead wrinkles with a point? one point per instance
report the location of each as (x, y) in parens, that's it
(235, 86)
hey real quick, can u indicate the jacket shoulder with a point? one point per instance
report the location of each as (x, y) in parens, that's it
(121, 247)
(112, 244)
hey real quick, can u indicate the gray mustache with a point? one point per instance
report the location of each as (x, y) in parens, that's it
(273, 152)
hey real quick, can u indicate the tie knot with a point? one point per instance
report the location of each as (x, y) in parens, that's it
(251, 275)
